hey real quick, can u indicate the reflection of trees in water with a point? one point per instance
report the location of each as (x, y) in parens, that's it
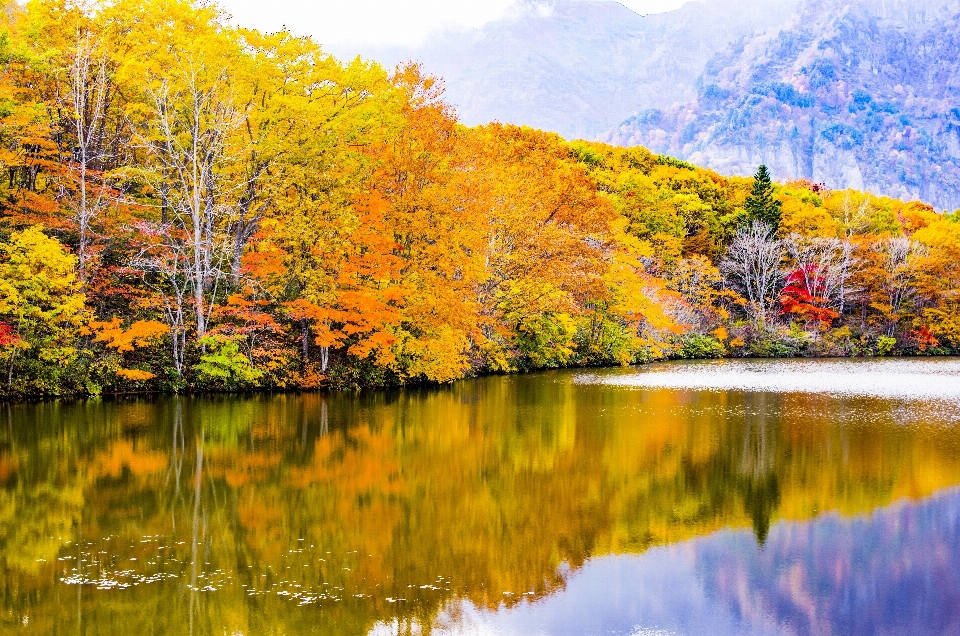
(737, 481)
(760, 499)
(177, 450)
(198, 530)
(892, 571)
(758, 482)
(757, 455)
(492, 484)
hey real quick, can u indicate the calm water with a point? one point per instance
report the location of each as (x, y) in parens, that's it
(690, 498)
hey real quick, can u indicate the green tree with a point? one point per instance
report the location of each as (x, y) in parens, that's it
(761, 204)
(224, 365)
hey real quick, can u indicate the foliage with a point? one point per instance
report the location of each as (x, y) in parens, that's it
(885, 345)
(761, 205)
(42, 310)
(192, 205)
(699, 346)
(223, 366)
(139, 335)
(799, 300)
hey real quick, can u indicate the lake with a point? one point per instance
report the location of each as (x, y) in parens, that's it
(726, 497)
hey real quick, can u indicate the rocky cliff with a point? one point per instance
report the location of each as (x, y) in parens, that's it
(854, 94)
(579, 67)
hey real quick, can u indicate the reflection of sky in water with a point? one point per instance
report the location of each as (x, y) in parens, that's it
(896, 571)
(893, 379)
(331, 513)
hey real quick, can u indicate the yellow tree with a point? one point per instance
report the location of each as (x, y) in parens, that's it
(324, 226)
(546, 237)
(84, 108)
(41, 302)
(28, 124)
(427, 172)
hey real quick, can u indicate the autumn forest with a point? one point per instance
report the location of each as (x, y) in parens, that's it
(190, 205)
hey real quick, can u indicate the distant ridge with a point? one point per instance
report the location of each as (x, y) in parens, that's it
(580, 67)
(863, 95)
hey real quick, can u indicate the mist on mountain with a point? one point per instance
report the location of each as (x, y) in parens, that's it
(580, 67)
(853, 94)
(861, 94)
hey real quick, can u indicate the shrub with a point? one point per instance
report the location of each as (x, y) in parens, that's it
(698, 346)
(885, 345)
(771, 347)
(224, 366)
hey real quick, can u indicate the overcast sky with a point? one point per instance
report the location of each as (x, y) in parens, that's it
(381, 21)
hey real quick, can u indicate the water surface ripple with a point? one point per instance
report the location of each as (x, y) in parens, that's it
(913, 379)
(787, 497)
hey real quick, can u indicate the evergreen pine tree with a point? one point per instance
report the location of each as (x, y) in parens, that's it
(761, 205)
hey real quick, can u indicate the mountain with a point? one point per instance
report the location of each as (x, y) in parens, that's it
(862, 94)
(854, 94)
(580, 67)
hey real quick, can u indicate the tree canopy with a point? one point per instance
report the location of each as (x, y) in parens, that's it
(761, 204)
(190, 204)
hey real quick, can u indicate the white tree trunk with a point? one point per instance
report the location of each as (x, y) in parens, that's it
(86, 99)
(752, 267)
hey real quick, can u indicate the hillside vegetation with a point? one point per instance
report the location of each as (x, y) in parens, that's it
(189, 205)
(852, 94)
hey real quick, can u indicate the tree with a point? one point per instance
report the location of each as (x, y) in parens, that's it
(548, 243)
(901, 259)
(637, 317)
(41, 303)
(818, 285)
(752, 267)
(119, 341)
(224, 365)
(940, 280)
(427, 174)
(85, 101)
(188, 137)
(28, 130)
(761, 205)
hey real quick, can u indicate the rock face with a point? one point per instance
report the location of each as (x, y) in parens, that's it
(579, 67)
(854, 94)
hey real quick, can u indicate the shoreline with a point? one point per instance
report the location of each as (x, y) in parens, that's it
(433, 385)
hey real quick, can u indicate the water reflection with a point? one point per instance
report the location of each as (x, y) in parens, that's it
(909, 379)
(891, 572)
(463, 508)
